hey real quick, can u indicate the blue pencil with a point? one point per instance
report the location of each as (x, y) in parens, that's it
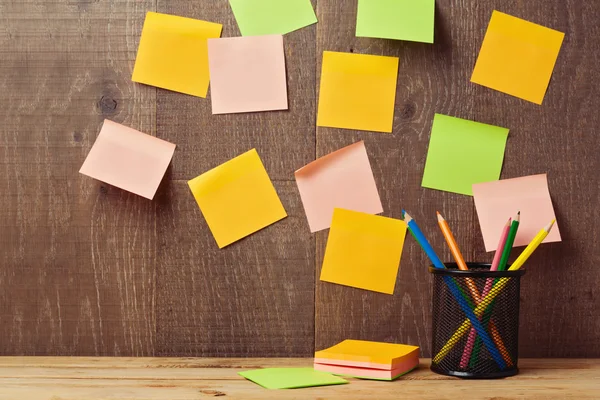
(435, 260)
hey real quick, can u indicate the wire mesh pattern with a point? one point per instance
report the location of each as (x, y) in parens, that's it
(494, 353)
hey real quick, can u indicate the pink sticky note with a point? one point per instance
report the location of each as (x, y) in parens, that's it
(333, 367)
(498, 200)
(342, 179)
(247, 74)
(128, 159)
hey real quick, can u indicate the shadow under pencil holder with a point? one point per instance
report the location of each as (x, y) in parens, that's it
(475, 321)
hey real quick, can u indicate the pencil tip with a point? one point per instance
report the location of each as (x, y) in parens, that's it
(518, 217)
(439, 216)
(550, 225)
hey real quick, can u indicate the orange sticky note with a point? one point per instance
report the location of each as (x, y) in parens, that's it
(366, 354)
(499, 200)
(128, 159)
(247, 74)
(237, 198)
(517, 57)
(368, 360)
(173, 53)
(342, 179)
(363, 251)
(358, 91)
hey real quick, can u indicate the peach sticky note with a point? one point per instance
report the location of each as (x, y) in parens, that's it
(247, 74)
(172, 53)
(237, 198)
(363, 251)
(498, 200)
(342, 179)
(128, 159)
(369, 373)
(358, 91)
(517, 57)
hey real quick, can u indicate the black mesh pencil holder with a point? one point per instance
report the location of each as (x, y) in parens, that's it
(475, 335)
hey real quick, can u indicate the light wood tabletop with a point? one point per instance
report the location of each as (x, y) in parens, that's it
(81, 378)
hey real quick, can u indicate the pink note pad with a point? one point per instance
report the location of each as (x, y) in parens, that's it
(342, 179)
(247, 74)
(369, 373)
(358, 364)
(128, 159)
(498, 200)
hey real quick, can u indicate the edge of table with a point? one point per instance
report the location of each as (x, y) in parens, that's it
(61, 378)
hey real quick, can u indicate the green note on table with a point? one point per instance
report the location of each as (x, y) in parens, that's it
(270, 17)
(463, 152)
(291, 378)
(396, 19)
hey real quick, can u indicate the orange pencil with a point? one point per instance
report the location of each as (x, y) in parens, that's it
(458, 257)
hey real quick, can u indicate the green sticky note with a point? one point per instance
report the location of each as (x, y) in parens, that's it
(463, 152)
(396, 19)
(270, 17)
(291, 378)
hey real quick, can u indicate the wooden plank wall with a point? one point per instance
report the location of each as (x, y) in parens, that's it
(87, 269)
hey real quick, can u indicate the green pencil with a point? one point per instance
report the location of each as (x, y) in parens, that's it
(510, 240)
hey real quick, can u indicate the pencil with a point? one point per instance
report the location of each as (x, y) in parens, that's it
(460, 261)
(454, 289)
(501, 245)
(510, 241)
(416, 232)
(496, 289)
(502, 266)
(422, 240)
(464, 361)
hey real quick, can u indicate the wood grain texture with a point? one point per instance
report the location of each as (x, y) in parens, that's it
(88, 269)
(559, 300)
(429, 81)
(255, 297)
(560, 294)
(44, 378)
(77, 262)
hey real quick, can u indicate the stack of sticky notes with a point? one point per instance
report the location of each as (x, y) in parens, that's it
(368, 360)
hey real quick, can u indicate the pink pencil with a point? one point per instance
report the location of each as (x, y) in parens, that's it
(464, 361)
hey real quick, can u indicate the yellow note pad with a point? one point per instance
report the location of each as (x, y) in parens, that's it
(363, 251)
(368, 353)
(173, 53)
(237, 198)
(517, 57)
(358, 91)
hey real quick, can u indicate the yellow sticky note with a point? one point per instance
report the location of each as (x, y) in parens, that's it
(237, 198)
(358, 91)
(517, 57)
(367, 354)
(363, 251)
(173, 53)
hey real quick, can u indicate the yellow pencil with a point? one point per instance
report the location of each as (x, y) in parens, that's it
(464, 328)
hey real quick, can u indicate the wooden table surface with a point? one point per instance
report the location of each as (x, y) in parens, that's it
(78, 378)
